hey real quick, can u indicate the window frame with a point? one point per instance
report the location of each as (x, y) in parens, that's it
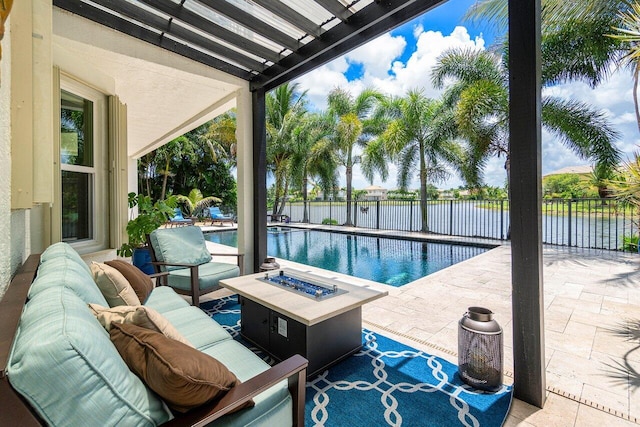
(99, 206)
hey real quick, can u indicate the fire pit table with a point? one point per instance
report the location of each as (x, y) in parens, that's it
(287, 312)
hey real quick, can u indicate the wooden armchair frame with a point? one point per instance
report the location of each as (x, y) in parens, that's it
(16, 410)
(195, 292)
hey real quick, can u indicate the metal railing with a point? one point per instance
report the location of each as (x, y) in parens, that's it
(583, 223)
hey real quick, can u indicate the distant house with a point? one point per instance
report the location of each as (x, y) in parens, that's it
(375, 192)
(578, 170)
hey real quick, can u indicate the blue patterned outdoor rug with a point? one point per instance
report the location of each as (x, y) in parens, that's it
(386, 384)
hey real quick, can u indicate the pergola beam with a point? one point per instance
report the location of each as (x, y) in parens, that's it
(190, 18)
(335, 8)
(249, 21)
(291, 16)
(526, 200)
(370, 22)
(166, 26)
(126, 27)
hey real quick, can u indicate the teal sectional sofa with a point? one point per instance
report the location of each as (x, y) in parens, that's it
(59, 366)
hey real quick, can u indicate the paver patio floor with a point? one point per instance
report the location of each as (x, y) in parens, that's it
(592, 328)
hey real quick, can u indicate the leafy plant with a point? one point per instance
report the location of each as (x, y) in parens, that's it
(195, 203)
(630, 243)
(150, 217)
(329, 221)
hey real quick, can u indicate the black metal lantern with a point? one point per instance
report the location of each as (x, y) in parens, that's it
(480, 351)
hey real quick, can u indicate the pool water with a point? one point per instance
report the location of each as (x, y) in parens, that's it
(394, 262)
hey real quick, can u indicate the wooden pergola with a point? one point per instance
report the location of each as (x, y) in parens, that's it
(271, 42)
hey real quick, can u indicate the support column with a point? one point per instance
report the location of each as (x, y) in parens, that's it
(526, 201)
(246, 206)
(259, 178)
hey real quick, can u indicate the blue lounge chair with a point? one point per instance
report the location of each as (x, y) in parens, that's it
(178, 220)
(215, 215)
(183, 254)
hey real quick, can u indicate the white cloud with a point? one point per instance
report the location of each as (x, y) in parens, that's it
(614, 97)
(383, 70)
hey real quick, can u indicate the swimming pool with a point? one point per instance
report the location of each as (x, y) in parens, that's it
(392, 261)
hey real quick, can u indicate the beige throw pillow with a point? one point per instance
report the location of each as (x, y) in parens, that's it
(113, 285)
(145, 317)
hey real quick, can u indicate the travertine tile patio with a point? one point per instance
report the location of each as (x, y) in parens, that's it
(592, 313)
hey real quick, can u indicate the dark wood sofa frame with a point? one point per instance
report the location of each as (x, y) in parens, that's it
(16, 410)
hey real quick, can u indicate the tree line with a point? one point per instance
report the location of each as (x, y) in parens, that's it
(430, 138)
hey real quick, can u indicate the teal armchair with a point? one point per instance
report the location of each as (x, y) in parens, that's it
(183, 254)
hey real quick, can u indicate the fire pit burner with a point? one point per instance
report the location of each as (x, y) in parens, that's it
(305, 284)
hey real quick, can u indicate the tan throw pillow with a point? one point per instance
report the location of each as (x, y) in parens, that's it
(140, 282)
(115, 288)
(182, 376)
(139, 315)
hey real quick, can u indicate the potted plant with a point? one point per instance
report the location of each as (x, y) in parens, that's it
(150, 217)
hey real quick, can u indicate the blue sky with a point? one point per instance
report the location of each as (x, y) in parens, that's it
(402, 59)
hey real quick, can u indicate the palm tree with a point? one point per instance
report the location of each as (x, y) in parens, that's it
(285, 107)
(313, 157)
(195, 202)
(418, 136)
(353, 126)
(181, 147)
(479, 97)
(576, 43)
(629, 35)
(220, 137)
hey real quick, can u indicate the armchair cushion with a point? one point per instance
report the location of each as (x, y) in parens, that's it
(140, 282)
(208, 275)
(113, 285)
(183, 376)
(184, 245)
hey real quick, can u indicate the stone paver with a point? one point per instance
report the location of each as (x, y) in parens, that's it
(592, 329)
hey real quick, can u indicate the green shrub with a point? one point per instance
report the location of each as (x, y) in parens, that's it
(630, 243)
(329, 221)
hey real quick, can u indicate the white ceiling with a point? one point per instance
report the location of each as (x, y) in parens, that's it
(166, 94)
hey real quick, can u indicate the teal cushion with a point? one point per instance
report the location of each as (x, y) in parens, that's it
(208, 275)
(183, 245)
(274, 406)
(65, 365)
(62, 249)
(164, 299)
(63, 271)
(198, 326)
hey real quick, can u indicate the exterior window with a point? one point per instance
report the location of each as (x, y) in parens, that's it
(77, 167)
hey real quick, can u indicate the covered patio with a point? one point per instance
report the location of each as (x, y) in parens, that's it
(164, 67)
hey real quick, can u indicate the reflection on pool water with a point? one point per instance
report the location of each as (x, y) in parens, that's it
(392, 261)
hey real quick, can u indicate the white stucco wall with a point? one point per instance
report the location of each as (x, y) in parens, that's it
(12, 223)
(5, 162)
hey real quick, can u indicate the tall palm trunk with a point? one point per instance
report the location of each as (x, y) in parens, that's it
(349, 174)
(636, 70)
(305, 213)
(423, 190)
(164, 180)
(284, 193)
(278, 192)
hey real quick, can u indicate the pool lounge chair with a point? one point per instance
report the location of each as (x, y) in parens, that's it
(178, 220)
(215, 215)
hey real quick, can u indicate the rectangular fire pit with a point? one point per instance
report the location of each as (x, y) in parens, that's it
(307, 285)
(282, 315)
